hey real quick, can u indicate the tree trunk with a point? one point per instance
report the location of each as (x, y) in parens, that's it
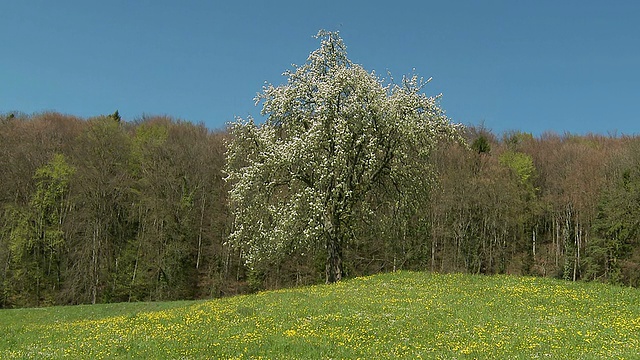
(333, 271)
(334, 260)
(94, 265)
(200, 233)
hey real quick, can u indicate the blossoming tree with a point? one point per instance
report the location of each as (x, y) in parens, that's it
(335, 138)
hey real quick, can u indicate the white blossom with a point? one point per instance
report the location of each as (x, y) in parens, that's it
(333, 134)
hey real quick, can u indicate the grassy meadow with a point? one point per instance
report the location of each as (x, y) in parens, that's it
(398, 315)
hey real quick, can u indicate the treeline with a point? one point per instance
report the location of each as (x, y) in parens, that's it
(103, 210)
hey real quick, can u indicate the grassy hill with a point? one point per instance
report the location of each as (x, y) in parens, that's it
(400, 315)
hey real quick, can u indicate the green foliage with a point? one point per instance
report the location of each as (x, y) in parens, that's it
(151, 136)
(52, 185)
(19, 230)
(513, 139)
(115, 116)
(36, 236)
(521, 164)
(387, 316)
(146, 144)
(481, 145)
(100, 210)
(5, 118)
(617, 230)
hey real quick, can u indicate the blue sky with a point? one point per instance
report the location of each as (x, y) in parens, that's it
(535, 66)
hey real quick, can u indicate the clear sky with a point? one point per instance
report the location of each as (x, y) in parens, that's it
(564, 66)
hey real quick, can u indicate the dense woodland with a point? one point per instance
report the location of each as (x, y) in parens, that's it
(105, 210)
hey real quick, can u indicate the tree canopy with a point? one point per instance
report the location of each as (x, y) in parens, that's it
(334, 135)
(345, 176)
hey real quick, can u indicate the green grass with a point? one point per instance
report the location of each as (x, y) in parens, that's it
(400, 315)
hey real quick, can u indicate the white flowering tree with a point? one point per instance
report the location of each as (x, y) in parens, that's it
(335, 137)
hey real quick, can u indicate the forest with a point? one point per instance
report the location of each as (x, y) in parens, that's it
(104, 210)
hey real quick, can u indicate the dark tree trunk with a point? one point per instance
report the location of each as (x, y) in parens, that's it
(333, 271)
(334, 260)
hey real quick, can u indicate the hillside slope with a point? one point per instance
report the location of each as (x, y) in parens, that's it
(397, 315)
